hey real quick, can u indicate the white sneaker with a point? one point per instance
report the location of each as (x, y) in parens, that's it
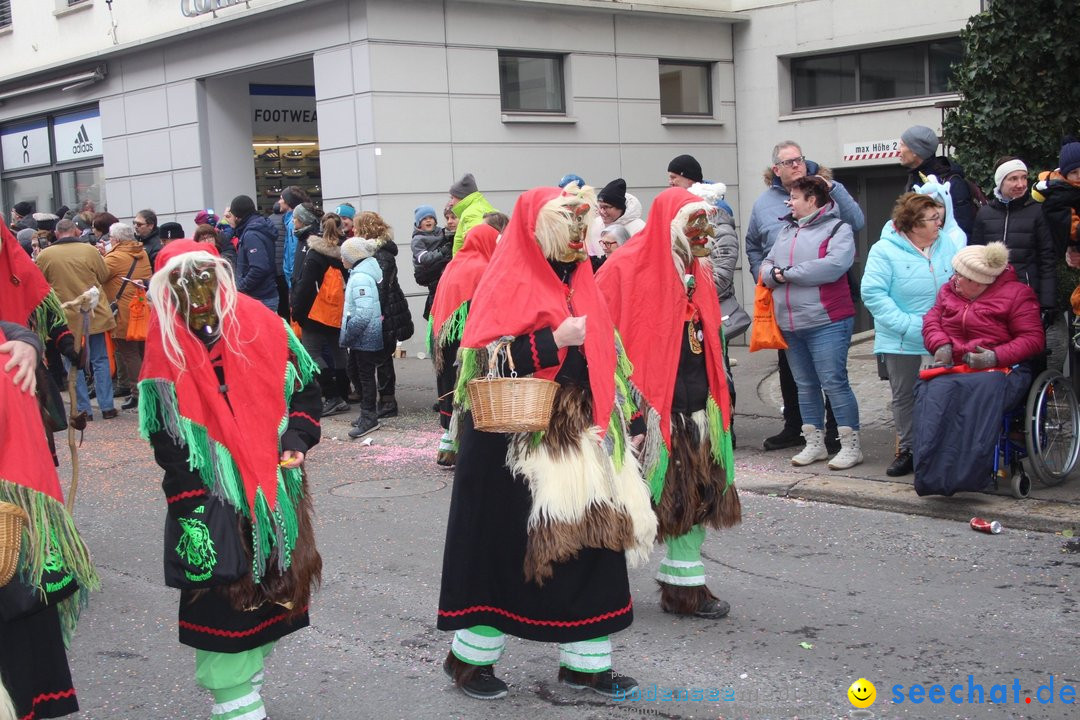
(814, 451)
(850, 453)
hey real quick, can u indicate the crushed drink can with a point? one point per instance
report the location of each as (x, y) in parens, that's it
(990, 527)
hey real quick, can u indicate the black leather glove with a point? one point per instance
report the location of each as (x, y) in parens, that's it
(943, 355)
(980, 359)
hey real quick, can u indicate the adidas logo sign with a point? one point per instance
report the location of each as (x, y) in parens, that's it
(82, 142)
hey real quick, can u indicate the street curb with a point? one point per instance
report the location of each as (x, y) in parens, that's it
(898, 497)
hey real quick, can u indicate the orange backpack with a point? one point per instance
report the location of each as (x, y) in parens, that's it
(329, 304)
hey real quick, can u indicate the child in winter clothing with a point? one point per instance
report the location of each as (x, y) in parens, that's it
(361, 322)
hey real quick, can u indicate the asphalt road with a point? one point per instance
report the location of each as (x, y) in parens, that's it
(821, 595)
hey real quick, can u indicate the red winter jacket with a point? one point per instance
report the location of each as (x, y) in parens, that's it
(1005, 319)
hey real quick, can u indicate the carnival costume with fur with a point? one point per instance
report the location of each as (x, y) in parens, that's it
(39, 607)
(447, 323)
(664, 303)
(218, 415)
(542, 525)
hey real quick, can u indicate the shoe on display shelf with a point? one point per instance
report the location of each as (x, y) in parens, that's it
(315, 191)
(273, 173)
(294, 155)
(294, 172)
(269, 154)
(272, 191)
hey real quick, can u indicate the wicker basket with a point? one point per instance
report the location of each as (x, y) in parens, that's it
(512, 404)
(12, 519)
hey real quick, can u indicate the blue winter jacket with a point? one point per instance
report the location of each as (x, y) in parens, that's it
(255, 271)
(900, 284)
(361, 321)
(289, 258)
(767, 216)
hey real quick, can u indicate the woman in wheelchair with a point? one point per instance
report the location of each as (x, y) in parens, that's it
(983, 330)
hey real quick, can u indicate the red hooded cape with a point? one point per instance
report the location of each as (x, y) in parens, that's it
(459, 280)
(247, 425)
(521, 294)
(22, 286)
(30, 465)
(649, 306)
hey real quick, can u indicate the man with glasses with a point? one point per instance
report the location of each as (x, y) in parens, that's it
(766, 220)
(146, 232)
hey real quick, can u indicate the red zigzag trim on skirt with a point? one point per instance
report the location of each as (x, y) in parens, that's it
(185, 495)
(48, 697)
(235, 633)
(530, 621)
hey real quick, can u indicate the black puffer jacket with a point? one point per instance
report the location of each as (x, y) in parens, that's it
(946, 170)
(302, 236)
(321, 257)
(397, 320)
(1020, 224)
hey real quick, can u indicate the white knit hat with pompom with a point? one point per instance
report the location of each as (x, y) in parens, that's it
(982, 263)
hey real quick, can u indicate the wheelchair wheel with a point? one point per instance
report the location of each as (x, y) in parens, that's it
(1052, 427)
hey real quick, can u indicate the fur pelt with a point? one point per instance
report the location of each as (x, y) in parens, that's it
(459, 671)
(292, 588)
(579, 499)
(682, 599)
(695, 487)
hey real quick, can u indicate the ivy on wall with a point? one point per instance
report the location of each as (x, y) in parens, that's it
(1019, 83)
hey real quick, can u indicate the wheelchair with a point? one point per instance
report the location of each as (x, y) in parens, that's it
(1042, 439)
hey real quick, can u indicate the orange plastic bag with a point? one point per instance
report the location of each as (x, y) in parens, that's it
(765, 332)
(329, 304)
(138, 317)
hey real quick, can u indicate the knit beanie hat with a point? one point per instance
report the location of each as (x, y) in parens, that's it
(464, 187)
(614, 194)
(686, 166)
(23, 208)
(345, 211)
(353, 250)
(1003, 170)
(921, 140)
(982, 263)
(572, 178)
(25, 236)
(207, 217)
(242, 207)
(306, 216)
(422, 212)
(171, 231)
(1070, 156)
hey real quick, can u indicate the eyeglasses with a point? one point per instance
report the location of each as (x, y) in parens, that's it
(933, 219)
(608, 243)
(801, 160)
(139, 224)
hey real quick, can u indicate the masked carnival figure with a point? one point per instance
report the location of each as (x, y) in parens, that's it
(229, 404)
(659, 288)
(449, 312)
(542, 525)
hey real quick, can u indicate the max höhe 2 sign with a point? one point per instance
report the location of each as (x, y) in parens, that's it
(194, 8)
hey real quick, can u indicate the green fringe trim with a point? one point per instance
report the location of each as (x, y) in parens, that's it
(47, 316)
(306, 368)
(657, 473)
(271, 527)
(454, 328)
(52, 530)
(429, 339)
(720, 440)
(625, 406)
(470, 367)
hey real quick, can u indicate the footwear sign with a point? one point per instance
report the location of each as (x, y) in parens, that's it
(77, 136)
(283, 110)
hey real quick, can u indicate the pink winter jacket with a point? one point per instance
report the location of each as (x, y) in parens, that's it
(1005, 319)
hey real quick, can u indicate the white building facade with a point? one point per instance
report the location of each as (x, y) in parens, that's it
(180, 105)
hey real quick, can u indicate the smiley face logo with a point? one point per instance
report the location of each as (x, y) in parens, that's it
(862, 693)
